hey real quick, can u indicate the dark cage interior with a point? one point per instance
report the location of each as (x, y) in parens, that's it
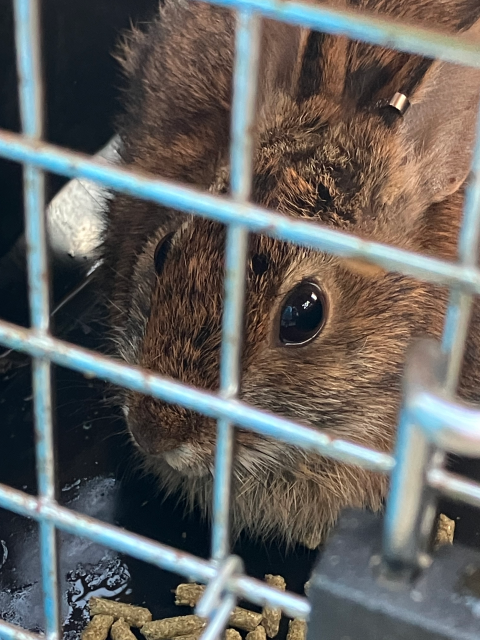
(96, 475)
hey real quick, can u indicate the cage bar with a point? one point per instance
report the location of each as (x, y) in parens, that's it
(28, 49)
(217, 602)
(247, 47)
(13, 632)
(225, 210)
(429, 417)
(367, 28)
(220, 619)
(436, 414)
(454, 486)
(460, 307)
(417, 452)
(142, 548)
(209, 404)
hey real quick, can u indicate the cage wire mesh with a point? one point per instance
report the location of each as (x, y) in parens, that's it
(432, 421)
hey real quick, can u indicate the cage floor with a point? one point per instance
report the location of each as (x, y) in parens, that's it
(97, 476)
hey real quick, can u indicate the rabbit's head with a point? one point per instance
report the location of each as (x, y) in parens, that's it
(325, 337)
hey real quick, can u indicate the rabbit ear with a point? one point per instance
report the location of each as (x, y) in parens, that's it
(280, 58)
(295, 60)
(438, 130)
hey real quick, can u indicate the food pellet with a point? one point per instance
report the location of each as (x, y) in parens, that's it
(97, 628)
(173, 627)
(276, 581)
(192, 636)
(232, 634)
(189, 594)
(271, 616)
(121, 631)
(134, 616)
(245, 619)
(257, 634)
(297, 630)
(445, 531)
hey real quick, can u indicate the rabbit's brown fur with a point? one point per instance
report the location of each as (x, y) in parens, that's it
(327, 149)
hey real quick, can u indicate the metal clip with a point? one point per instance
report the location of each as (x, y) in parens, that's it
(400, 102)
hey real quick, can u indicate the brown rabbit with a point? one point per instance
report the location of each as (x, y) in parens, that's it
(325, 337)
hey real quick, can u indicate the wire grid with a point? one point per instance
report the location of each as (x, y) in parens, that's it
(222, 572)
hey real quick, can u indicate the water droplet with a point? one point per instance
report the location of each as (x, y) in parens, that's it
(107, 579)
(3, 553)
(69, 487)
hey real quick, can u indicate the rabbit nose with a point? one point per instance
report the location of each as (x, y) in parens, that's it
(150, 443)
(158, 427)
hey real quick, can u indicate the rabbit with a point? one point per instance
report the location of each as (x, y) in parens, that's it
(325, 337)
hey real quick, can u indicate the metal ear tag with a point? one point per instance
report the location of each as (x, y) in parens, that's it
(400, 102)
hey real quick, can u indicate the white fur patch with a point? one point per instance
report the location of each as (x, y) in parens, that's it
(189, 460)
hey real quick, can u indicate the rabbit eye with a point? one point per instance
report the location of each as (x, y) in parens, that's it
(161, 252)
(303, 314)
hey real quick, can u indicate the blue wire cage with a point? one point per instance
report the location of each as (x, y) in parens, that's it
(432, 421)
